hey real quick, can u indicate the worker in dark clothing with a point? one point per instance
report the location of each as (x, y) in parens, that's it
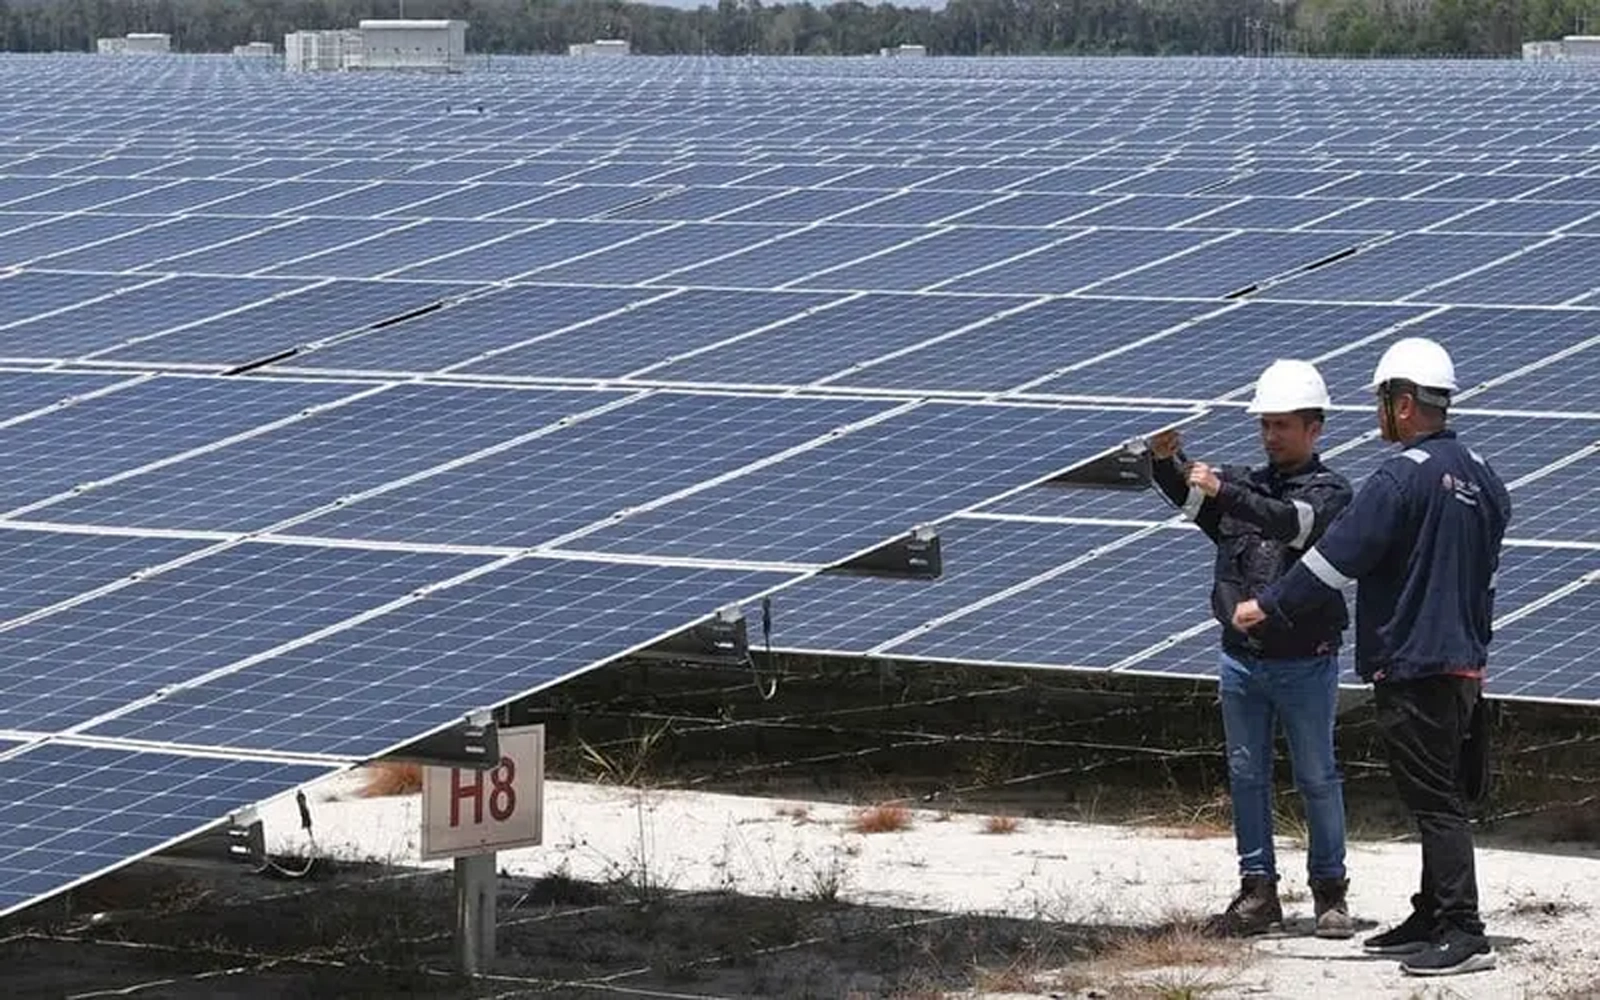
(1261, 521)
(1422, 542)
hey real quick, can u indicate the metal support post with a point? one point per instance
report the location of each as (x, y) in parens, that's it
(475, 912)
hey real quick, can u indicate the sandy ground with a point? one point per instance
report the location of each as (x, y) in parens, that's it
(1536, 904)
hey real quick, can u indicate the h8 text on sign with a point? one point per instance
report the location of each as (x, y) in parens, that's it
(467, 812)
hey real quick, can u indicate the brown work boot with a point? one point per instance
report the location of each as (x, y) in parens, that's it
(1255, 910)
(1333, 913)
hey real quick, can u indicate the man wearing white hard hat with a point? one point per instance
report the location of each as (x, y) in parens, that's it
(1422, 543)
(1261, 521)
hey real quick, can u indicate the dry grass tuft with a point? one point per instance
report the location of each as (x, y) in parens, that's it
(800, 814)
(1180, 944)
(384, 780)
(1175, 962)
(1001, 825)
(882, 819)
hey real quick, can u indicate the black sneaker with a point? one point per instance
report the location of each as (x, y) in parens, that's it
(1415, 935)
(1256, 909)
(1455, 952)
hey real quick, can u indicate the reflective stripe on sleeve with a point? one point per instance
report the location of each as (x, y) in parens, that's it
(1308, 520)
(1323, 570)
(1191, 503)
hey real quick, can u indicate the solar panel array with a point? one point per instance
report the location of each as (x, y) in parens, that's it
(339, 407)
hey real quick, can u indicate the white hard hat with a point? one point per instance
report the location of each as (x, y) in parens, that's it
(1417, 360)
(1287, 386)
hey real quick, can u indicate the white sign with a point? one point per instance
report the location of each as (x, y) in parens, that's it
(466, 811)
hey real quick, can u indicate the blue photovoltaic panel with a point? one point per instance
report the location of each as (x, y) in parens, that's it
(1081, 261)
(159, 241)
(1088, 618)
(184, 196)
(34, 293)
(648, 334)
(527, 251)
(1585, 189)
(1074, 179)
(1400, 267)
(851, 614)
(1519, 217)
(388, 197)
(143, 423)
(138, 312)
(290, 197)
(692, 204)
(469, 201)
(830, 340)
(916, 208)
(801, 253)
(1230, 265)
(99, 191)
(1379, 184)
(1540, 656)
(1277, 183)
(301, 466)
(1188, 365)
(285, 242)
(41, 568)
(394, 250)
(171, 628)
(865, 487)
(1389, 215)
(590, 470)
(1026, 345)
(17, 188)
(470, 328)
(939, 258)
(1152, 211)
(1513, 446)
(1560, 505)
(1483, 343)
(1568, 384)
(1166, 181)
(1556, 272)
(1032, 209)
(477, 644)
(657, 253)
(1491, 187)
(805, 205)
(25, 392)
(285, 323)
(587, 201)
(68, 813)
(64, 233)
(1268, 213)
(1530, 572)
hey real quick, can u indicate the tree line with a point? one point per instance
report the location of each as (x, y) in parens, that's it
(1477, 28)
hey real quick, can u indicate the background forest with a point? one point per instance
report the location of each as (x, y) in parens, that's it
(1478, 28)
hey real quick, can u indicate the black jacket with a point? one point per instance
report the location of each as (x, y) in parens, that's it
(1261, 521)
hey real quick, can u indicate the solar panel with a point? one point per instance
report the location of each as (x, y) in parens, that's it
(76, 664)
(66, 232)
(1024, 346)
(471, 328)
(591, 470)
(941, 257)
(39, 569)
(1076, 263)
(793, 257)
(288, 240)
(423, 665)
(68, 813)
(876, 482)
(136, 313)
(656, 253)
(1227, 351)
(328, 455)
(647, 334)
(143, 423)
(166, 239)
(1400, 267)
(283, 323)
(1230, 265)
(1536, 651)
(1565, 269)
(856, 614)
(1089, 618)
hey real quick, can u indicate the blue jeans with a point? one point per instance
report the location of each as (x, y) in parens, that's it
(1303, 693)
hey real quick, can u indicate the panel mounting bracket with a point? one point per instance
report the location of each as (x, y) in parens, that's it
(1127, 468)
(916, 555)
(472, 743)
(722, 640)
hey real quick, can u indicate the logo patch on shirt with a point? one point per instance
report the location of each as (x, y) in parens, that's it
(1464, 490)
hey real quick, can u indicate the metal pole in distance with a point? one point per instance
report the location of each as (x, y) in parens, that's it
(475, 913)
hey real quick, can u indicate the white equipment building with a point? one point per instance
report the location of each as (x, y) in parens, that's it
(437, 46)
(601, 47)
(136, 43)
(1570, 47)
(904, 51)
(254, 50)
